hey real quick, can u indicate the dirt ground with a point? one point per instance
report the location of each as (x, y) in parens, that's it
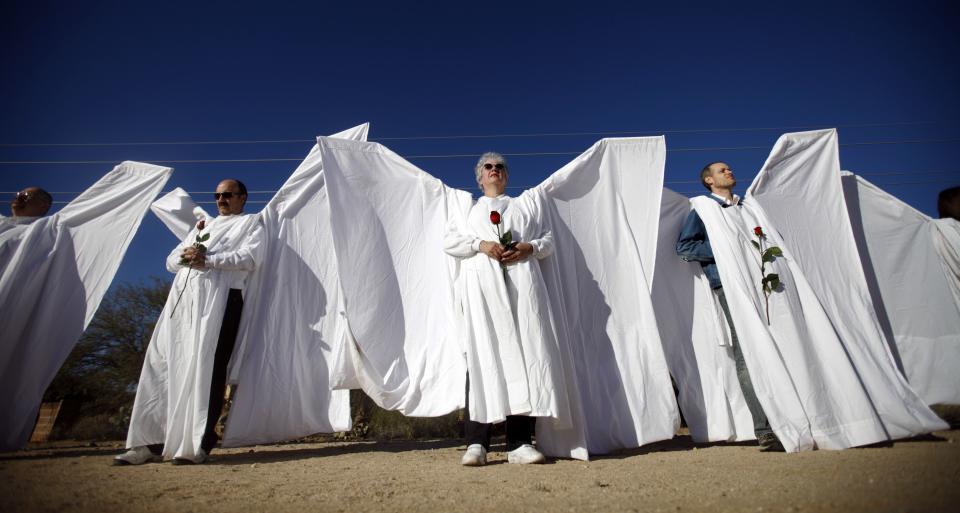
(921, 475)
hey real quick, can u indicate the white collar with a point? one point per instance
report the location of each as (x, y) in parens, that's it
(21, 219)
(725, 201)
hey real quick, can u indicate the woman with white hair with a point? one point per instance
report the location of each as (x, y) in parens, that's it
(510, 337)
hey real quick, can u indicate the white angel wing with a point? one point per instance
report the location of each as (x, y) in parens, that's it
(54, 282)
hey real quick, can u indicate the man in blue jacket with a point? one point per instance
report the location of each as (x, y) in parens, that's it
(694, 246)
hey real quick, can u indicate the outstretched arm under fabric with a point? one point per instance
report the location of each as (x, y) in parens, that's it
(693, 245)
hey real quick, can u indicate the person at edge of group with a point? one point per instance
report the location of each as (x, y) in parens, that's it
(491, 174)
(693, 245)
(948, 203)
(226, 264)
(29, 205)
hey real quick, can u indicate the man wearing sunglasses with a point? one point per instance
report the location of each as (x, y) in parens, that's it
(31, 203)
(180, 393)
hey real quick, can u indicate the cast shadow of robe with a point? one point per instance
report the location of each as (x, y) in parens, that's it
(851, 194)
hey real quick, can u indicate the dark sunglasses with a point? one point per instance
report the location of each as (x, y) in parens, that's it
(225, 195)
(488, 166)
(24, 196)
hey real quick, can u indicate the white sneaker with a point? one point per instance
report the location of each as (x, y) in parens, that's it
(196, 460)
(525, 455)
(135, 456)
(476, 456)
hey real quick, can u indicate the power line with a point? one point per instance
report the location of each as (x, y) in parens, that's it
(514, 187)
(458, 155)
(474, 136)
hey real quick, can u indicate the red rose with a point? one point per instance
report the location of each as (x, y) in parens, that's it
(200, 225)
(758, 232)
(494, 217)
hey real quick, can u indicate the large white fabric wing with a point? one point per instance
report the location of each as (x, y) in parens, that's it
(59, 269)
(388, 221)
(910, 288)
(291, 314)
(604, 217)
(802, 175)
(291, 323)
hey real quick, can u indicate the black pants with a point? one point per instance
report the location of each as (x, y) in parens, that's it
(221, 358)
(519, 428)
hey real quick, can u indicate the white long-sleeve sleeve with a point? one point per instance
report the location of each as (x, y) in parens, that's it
(458, 244)
(544, 246)
(173, 259)
(244, 258)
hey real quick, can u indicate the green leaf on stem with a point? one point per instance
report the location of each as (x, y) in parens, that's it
(771, 253)
(507, 238)
(205, 238)
(755, 244)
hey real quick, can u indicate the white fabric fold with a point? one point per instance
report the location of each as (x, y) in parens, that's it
(291, 325)
(291, 322)
(54, 272)
(906, 259)
(174, 388)
(178, 212)
(821, 369)
(596, 358)
(696, 338)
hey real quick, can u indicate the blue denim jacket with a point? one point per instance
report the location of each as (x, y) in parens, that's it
(693, 245)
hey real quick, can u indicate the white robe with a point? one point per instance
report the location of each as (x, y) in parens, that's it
(511, 344)
(53, 273)
(414, 312)
(821, 369)
(287, 333)
(696, 338)
(912, 292)
(173, 392)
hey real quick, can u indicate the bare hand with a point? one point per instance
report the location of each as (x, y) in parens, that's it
(194, 257)
(518, 253)
(491, 249)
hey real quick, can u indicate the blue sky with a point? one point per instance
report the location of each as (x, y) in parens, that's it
(119, 72)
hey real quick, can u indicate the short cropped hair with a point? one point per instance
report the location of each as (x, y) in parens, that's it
(494, 156)
(948, 203)
(243, 188)
(705, 172)
(45, 196)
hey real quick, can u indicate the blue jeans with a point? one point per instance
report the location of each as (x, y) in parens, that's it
(761, 425)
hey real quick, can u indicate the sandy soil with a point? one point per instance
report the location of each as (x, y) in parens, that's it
(921, 475)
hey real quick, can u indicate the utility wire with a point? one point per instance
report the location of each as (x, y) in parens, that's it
(459, 155)
(478, 136)
(467, 187)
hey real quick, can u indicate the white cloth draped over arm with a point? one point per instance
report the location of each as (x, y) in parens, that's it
(389, 221)
(802, 174)
(178, 212)
(602, 211)
(288, 334)
(70, 258)
(292, 325)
